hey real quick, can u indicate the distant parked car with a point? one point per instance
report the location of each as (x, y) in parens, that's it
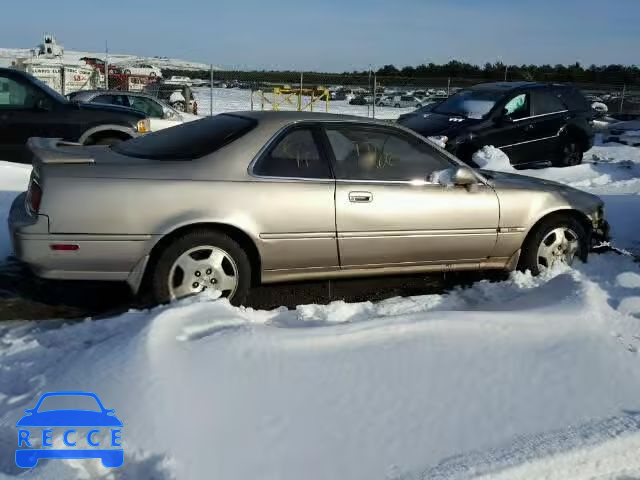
(160, 114)
(532, 122)
(29, 108)
(241, 199)
(406, 101)
(385, 101)
(358, 100)
(178, 80)
(141, 69)
(175, 95)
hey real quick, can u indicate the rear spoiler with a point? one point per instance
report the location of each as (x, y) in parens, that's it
(48, 151)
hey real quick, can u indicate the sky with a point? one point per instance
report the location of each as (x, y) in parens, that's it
(336, 35)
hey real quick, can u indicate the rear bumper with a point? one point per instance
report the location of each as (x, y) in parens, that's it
(96, 257)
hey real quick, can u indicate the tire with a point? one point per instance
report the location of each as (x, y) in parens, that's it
(153, 74)
(530, 258)
(108, 141)
(570, 152)
(180, 106)
(169, 280)
(397, 105)
(418, 105)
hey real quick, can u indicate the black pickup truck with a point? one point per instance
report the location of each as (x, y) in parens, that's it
(30, 108)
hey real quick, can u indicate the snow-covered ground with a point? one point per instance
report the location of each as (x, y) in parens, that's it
(235, 99)
(528, 378)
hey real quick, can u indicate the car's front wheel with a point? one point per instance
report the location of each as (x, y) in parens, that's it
(201, 260)
(558, 240)
(570, 153)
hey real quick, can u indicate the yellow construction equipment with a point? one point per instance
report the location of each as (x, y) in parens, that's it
(298, 98)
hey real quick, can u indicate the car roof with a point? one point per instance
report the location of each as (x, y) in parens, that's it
(282, 118)
(509, 86)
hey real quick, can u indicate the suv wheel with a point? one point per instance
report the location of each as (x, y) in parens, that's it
(180, 106)
(201, 260)
(570, 152)
(555, 241)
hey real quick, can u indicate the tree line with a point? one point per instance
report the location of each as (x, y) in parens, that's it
(459, 73)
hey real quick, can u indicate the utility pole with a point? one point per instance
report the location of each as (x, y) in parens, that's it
(106, 65)
(300, 96)
(624, 91)
(375, 91)
(211, 93)
(506, 70)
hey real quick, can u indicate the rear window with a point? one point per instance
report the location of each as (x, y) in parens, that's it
(188, 141)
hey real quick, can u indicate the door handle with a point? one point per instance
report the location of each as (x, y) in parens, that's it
(360, 197)
(529, 127)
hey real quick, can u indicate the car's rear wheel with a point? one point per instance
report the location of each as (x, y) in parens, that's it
(397, 105)
(555, 241)
(201, 260)
(570, 153)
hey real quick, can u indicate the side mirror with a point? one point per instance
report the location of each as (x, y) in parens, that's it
(503, 118)
(463, 177)
(43, 105)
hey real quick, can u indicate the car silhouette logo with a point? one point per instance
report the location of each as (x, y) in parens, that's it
(46, 420)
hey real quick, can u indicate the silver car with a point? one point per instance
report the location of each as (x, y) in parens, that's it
(240, 199)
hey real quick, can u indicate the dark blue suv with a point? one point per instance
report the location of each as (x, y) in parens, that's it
(531, 122)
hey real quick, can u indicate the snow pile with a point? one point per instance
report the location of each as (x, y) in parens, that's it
(14, 179)
(492, 158)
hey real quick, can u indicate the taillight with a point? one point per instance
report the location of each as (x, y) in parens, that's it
(34, 196)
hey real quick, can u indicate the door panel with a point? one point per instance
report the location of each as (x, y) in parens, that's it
(414, 224)
(295, 204)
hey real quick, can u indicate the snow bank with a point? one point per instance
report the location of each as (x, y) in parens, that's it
(14, 179)
(492, 158)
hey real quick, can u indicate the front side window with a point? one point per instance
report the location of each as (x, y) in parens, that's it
(382, 155)
(545, 103)
(19, 95)
(518, 107)
(296, 155)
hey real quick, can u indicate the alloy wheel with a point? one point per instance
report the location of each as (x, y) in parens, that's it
(200, 268)
(571, 153)
(559, 246)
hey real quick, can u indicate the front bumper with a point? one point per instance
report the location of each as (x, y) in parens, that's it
(601, 233)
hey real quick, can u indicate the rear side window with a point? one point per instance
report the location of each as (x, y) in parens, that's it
(574, 99)
(296, 155)
(545, 102)
(188, 141)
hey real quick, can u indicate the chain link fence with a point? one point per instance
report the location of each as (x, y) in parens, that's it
(371, 95)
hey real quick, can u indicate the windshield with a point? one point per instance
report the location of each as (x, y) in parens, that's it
(470, 103)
